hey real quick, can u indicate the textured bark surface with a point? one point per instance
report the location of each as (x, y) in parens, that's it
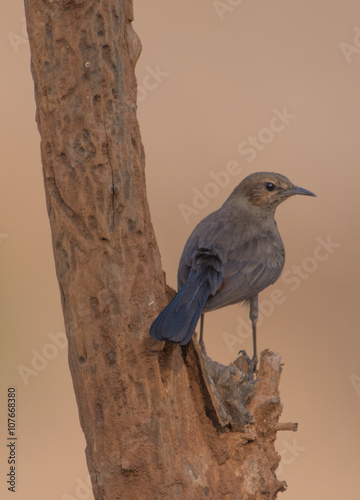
(155, 425)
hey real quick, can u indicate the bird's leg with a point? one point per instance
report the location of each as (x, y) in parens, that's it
(201, 339)
(254, 312)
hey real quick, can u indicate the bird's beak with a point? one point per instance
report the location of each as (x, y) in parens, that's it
(298, 190)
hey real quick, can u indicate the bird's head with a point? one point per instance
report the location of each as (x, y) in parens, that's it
(266, 190)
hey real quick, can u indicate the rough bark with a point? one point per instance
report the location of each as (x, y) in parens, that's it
(159, 421)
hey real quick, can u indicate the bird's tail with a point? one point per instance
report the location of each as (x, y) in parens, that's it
(178, 320)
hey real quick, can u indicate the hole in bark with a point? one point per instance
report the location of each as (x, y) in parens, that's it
(94, 304)
(111, 358)
(115, 189)
(48, 26)
(82, 360)
(99, 413)
(99, 25)
(92, 222)
(79, 149)
(166, 361)
(65, 258)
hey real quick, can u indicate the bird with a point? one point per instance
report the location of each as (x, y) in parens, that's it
(230, 257)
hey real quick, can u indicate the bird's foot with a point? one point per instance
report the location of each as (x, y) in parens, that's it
(252, 362)
(253, 365)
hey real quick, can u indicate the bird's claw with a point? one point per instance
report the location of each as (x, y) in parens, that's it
(253, 365)
(252, 362)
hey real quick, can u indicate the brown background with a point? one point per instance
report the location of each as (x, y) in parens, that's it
(221, 76)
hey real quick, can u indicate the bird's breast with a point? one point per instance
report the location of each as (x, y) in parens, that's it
(251, 266)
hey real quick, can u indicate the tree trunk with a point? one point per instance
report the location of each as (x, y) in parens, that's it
(159, 421)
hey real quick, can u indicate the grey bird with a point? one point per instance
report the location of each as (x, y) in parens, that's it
(230, 257)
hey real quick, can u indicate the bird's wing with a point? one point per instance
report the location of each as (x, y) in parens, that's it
(206, 262)
(201, 251)
(251, 267)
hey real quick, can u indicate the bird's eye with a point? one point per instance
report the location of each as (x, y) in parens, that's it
(270, 186)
